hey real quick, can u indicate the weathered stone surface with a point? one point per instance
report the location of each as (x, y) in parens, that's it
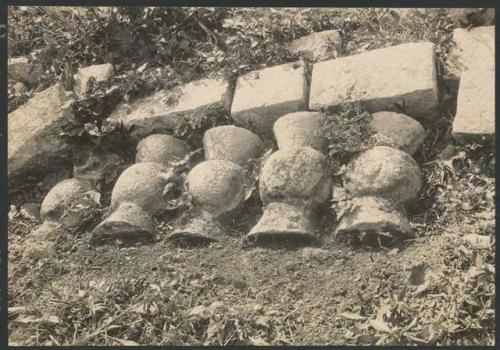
(69, 203)
(128, 221)
(201, 227)
(369, 214)
(164, 110)
(262, 96)
(98, 166)
(396, 130)
(297, 176)
(142, 184)
(400, 78)
(34, 128)
(301, 129)
(385, 172)
(231, 143)
(475, 47)
(21, 70)
(318, 46)
(476, 104)
(160, 148)
(217, 186)
(100, 72)
(282, 221)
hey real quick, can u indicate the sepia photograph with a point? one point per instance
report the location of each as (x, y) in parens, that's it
(259, 176)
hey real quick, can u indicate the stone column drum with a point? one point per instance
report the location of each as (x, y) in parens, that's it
(217, 185)
(143, 189)
(68, 205)
(382, 180)
(294, 180)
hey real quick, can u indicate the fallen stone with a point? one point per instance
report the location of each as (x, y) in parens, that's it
(128, 221)
(231, 143)
(143, 184)
(21, 70)
(165, 110)
(217, 186)
(373, 215)
(396, 130)
(34, 144)
(70, 203)
(475, 105)
(475, 47)
(281, 221)
(160, 148)
(100, 72)
(318, 46)
(297, 176)
(262, 96)
(477, 241)
(385, 172)
(399, 78)
(301, 129)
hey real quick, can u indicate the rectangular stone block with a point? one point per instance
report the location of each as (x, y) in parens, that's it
(34, 132)
(165, 109)
(399, 78)
(476, 104)
(262, 96)
(475, 47)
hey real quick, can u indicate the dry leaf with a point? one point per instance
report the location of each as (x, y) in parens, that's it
(380, 326)
(352, 316)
